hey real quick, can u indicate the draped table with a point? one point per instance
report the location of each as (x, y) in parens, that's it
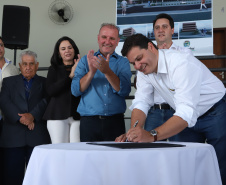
(88, 164)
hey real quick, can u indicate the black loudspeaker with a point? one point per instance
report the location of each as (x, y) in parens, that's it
(16, 26)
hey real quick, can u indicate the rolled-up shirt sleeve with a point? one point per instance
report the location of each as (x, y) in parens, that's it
(187, 79)
(144, 98)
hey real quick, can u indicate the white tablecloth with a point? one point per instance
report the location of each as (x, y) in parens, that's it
(84, 164)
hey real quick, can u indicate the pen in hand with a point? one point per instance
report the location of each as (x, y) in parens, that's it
(135, 124)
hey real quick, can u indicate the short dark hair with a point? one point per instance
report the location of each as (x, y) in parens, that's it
(56, 60)
(137, 40)
(164, 16)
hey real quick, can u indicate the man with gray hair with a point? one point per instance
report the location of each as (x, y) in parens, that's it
(102, 79)
(23, 102)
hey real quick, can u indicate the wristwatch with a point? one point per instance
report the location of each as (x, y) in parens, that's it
(154, 134)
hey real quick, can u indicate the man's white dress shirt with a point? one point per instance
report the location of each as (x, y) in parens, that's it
(157, 98)
(7, 70)
(186, 84)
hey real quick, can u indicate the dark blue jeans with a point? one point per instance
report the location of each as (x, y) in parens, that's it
(210, 128)
(157, 117)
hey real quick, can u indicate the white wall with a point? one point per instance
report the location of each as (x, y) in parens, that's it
(219, 13)
(83, 29)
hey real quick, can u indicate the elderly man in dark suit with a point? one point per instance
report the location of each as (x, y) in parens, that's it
(23, 102)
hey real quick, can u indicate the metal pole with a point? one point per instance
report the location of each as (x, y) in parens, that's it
(15, 57)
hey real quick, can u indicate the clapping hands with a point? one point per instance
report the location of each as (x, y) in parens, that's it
(99, 62)
(72, 74)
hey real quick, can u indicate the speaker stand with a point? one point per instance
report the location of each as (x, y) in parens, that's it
(14, 57)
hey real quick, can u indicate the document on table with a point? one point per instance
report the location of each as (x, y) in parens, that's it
(131, 145)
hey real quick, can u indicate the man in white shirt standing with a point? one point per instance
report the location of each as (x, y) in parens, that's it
(187, 85)
(160, 112)
(6, 69)
(123, 5)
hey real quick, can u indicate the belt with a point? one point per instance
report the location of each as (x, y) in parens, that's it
(107, 117)
(162, 106)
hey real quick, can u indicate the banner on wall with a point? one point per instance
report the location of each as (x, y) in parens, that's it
(193, 23)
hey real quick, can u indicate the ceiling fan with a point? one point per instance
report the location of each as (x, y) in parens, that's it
(60, 12)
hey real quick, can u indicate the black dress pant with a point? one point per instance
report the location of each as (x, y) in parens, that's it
(101, 128)
(15, 161)
(1, 165)
(1, 158)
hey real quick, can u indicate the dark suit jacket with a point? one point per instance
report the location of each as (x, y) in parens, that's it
(62, 103)
(12, 102)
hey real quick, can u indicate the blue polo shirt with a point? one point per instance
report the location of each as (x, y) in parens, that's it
(100, 98)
